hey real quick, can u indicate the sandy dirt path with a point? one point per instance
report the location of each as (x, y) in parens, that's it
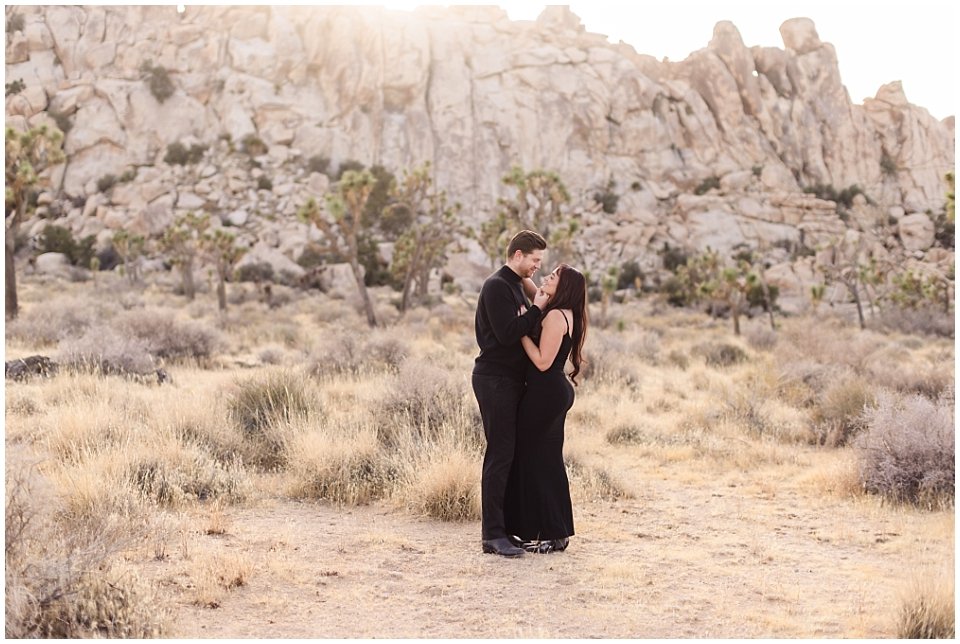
(732, 559)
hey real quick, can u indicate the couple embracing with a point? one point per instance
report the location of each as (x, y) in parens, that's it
(524, 396)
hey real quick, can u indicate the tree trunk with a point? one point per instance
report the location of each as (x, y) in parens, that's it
(362, 289)
(187, 274)
(222, 293)
(856, 298)
(766, 300)
(11, 297)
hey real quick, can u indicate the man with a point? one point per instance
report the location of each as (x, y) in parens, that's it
(499, 373)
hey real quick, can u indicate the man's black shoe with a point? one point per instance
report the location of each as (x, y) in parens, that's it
(502, 547)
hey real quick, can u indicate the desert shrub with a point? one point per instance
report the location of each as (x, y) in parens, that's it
(55, 572)
(166, 337)
(607, 199)
(355, 354)
(179, 154)
(593, 483)
(268, 409)
(924, 320)
(106, 182)
(838, 413)
(254, 145)
(423, 399)
(678, 359)
(630, 276)
(189, 474)
(927, 610)
(708, 184)
(720, 354)
(347, 166)
(625, 434)
(101, 349)
(318, 163)
(14, 87)
(272, 355)
(16, 22)
(158, 80)
(106, 604)
(604, 361)
(906, 451)
(58, 239)
(343, 469)
(255, 272)
(761, 339)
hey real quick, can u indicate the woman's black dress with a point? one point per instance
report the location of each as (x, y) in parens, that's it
(537, 504)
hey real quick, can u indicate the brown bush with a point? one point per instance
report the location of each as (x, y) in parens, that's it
(166, 337)
(424, 401)
(50, 321)
(58, 574)
(906, 452)
(102, 350)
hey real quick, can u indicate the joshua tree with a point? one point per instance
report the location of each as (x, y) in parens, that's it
(342, 225)
(130, 249)
(182, 241)
(28, 154)
(432, 229)
(221, 247)
(537, 204)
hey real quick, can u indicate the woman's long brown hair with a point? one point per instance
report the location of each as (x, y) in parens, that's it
(571, 294)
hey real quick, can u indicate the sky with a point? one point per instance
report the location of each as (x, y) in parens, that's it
(913, 41)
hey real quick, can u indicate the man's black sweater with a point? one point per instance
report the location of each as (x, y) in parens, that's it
(499, 326)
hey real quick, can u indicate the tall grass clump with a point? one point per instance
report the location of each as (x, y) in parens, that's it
(838, 414)
(906, 452)
(927, 609)
(447, 486)
(344, 467)
(267, 408)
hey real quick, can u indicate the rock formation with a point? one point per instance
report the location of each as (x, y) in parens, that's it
(473, 93)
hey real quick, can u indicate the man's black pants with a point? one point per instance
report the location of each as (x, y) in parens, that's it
(499, 398)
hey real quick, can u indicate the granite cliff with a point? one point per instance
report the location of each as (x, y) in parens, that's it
(473, 93)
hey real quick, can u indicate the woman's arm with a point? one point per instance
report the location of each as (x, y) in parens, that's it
(550, 338)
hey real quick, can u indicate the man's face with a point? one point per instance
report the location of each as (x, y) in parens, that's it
(530, 264)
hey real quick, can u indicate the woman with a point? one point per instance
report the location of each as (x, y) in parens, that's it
(537, 509)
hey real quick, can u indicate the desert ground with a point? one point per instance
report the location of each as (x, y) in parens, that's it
(300, 475)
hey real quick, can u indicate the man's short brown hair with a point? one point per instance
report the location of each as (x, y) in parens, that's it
(526, 241)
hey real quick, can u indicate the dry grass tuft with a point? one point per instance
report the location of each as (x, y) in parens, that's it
(720, 354)
(215, 574)
(838, 414)
(927, 609)
(446, 486)
(345, 468)
(267, 407)
(593, 483)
